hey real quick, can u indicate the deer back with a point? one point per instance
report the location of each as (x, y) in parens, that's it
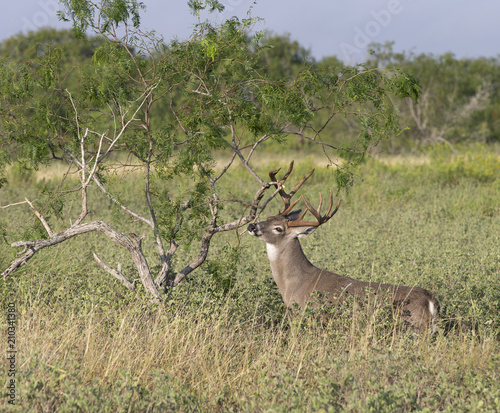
(297, 278)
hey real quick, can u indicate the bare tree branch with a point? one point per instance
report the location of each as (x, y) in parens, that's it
(214, 229)
(339, 148)
(108, 194)
(117, 274)
(131, 245)
(125, 125)
(14, 204)
(165, 261)
(40, 217)
(202, 255)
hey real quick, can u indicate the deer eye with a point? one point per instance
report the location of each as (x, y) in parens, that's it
(278, 229)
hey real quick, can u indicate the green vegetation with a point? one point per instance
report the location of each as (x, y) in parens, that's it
(143, 151)
(460, 100)
(223, 341)
(139, 105)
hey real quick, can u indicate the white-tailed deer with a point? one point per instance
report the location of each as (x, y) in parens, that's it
(297, 279)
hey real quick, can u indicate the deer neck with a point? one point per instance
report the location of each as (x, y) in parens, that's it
(291, 270)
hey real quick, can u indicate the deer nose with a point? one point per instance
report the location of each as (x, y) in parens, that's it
(252, 228)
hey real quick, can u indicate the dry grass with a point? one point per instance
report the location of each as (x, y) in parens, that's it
(215, 357)
(88, 344)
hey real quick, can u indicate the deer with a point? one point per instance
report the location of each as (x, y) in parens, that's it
(298, 280)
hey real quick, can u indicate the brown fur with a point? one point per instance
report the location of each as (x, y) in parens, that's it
(297, 279)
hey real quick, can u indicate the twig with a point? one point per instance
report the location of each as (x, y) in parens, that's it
(144, 97)
(339, 148)
(117, 274)
(41, 218)
(96, 158)
(110, 196)
(17, 203)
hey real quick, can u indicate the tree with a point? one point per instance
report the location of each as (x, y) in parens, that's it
(282, 58)
(459, 100)
(164, 109)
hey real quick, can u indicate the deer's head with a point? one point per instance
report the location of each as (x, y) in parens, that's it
(288, 225)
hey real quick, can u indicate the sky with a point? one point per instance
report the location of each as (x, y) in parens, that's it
(341, 28)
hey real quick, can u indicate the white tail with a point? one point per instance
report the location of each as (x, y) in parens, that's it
(297, 278)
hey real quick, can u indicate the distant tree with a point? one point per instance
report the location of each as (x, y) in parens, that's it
(23, 47)
(282, 58)
(214, 94)
(460, 100)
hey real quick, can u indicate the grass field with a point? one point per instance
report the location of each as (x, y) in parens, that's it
(223, 341)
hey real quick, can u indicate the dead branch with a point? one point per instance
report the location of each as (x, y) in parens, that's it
(214, 229)
(126, 124)
(41, 218)
(14, 204)
(314, 140)
(117, 274)
(109, 195)
(133, 247)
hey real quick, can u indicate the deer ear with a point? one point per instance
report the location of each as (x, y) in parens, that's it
(302, 232)
(299, 232)
(294, 215)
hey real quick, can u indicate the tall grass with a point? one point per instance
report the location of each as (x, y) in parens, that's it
(88, 344)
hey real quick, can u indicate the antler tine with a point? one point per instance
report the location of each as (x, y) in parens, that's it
(316, 213)
(330, 214)
(289, 207)
(272, 175)
(297, 187)
(279, 185)
(320, 204)
(301, 223)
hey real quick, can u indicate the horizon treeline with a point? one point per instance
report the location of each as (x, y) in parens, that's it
(459, 102)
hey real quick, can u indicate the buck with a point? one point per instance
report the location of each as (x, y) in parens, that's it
(297, 279)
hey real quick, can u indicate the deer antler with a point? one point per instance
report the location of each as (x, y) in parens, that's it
(321, 219)
(279, 185)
